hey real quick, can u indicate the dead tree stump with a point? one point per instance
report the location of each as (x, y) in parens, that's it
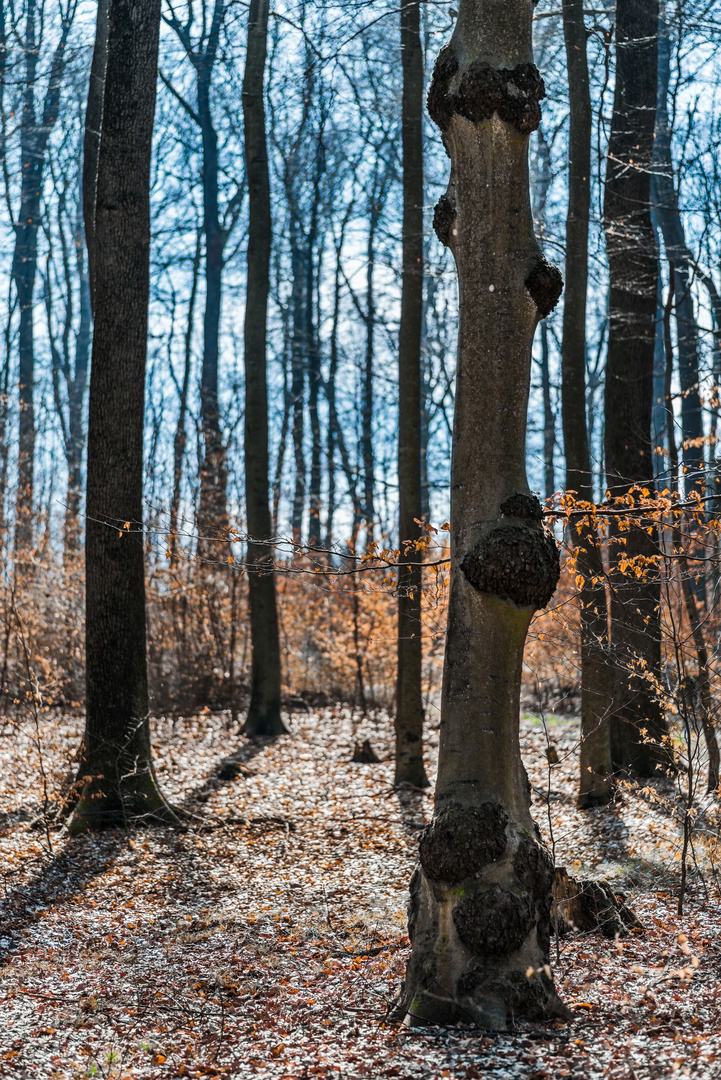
(590, 905)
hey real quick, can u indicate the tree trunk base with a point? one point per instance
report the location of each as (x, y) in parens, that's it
(590, 905)
(480, 939)
(599, 795)
(135, 802)
(364, 754)
(267, 722)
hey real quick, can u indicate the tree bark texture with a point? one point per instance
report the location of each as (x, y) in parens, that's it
(481, 896)
(596, 765)
(638, 727)
(91, 143)
(264, 711)
(666, 210)
(409, 766)
(213, 473)
(35, 131)
(116, 773)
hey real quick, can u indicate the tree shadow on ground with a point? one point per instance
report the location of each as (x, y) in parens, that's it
(227, 769)
(415, 808)
(65, 872)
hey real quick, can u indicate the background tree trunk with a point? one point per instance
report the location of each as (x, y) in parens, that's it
(409, 697)
(34, 134)
(596, 766)
(666, 210)
(116, 772)
(633, 268)
(213, 509)
(264, 711)
(480, 899)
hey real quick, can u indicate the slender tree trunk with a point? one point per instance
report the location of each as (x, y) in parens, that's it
(480, 899)
(666, 209)
(181, 436)
(213, 473)
(91, 144)
(297, 374)
(705, 703)
(639, 730)
(34, 134)
(330, 389)
(264, 711)
(367, 453)
(596, 766)
(409, 693)
(549, 420)
(116, 778)
(313, 351)
(77, 387)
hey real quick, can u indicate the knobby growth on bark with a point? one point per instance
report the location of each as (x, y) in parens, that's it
(480, 898)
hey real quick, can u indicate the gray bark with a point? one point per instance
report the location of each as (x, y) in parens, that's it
(480, 899)
(595, 755)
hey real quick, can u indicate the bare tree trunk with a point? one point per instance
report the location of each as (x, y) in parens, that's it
(181, 436)
(264, 711)
(35, 131)
(666, 208)
(116, 778)
(549, 420)
(297, 374)
(409, 692)
(213, 472)
(313, 351)
(596, 766)
(638, 728)
(481, 897)
(367, 392)
(77, 386)
(91, 144)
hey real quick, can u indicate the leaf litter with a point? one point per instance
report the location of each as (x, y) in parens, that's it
(269, 939)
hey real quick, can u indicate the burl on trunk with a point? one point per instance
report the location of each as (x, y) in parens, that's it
(481, 896)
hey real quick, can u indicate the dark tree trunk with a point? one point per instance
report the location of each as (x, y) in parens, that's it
(481, 897)
(264, 711)
(633, 267)
(367, 453)
(34, 134)
(91, 144)
(596, 766)
(77, 386)
(116, 778)
(549, 420)
(297, 373)
(181, 435)
(666, 210)
(213, 473)
(313, 351)
(409, 695)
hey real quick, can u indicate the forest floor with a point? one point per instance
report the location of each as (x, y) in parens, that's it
(275, 944)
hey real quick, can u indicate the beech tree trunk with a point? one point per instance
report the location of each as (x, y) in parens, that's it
(596, 765)
(264, 711)
(409, 695)
(480, 898)
(116, 778)
(638, 728)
